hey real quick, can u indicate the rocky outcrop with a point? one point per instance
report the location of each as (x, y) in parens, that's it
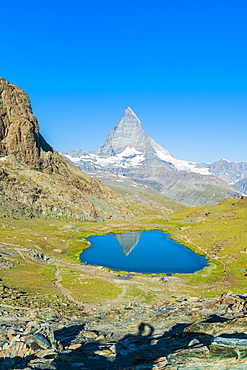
(164, 335)
(36, 180)
(19, 129)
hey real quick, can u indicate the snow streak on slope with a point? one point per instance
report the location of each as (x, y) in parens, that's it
(182, 165)
(130, 157)
(179, 164)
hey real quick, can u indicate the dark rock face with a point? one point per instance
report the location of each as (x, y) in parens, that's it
(36, 180)
(19, 129)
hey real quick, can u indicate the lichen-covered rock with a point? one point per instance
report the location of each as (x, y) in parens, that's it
(216, 328)
(229, 347)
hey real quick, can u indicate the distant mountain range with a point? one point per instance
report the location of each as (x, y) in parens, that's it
(129, 153)
(234, 173)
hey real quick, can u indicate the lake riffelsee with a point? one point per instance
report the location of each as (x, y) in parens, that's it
(142, 251)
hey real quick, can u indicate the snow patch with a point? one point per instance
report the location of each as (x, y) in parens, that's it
(3, 158)
(180, 164)
(130, 157)
(128, 152)
(73, 159)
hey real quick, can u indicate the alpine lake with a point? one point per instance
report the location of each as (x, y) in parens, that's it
(142, 252)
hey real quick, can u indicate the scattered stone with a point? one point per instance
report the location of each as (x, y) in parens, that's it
(160, 362)
(41, 341)
(193, 342)
(74, 346)
(40, 256)
(159, 336)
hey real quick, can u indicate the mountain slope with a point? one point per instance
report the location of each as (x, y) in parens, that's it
(129, 152)
(37, 181)
(241, 186)
(230, 172)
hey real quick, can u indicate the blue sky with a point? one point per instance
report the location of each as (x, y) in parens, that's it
(181, 65)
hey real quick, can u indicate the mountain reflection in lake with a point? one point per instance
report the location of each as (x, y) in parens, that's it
(128, 240)
(146, 252)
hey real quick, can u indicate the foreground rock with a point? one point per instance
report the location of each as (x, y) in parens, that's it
(180, 333)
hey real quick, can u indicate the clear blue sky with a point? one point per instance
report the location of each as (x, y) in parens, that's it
(181, 65)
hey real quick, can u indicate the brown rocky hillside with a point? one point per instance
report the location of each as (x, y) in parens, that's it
(37, 181)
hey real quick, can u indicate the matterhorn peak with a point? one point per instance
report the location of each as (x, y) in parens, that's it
(127, 133)
(128, 113)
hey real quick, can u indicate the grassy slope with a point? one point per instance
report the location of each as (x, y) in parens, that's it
(219, 232)
(62, 242)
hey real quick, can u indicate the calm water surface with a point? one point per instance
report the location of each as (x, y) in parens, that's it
(142, 251)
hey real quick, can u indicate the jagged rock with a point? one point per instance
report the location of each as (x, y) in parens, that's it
(5, 265)
(34, 179)
(40, 256)
(116, 341)
(41, 341)
(32, 340)
(235, 304)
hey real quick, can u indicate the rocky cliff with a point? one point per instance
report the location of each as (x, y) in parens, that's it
(34, 179)
(19, 130)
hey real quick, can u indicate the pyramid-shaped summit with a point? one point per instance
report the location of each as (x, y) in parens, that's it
(127, 133)
(129, 153)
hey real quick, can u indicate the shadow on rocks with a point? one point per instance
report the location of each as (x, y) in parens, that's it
(141, 350)
(85, 350)
(66, 335)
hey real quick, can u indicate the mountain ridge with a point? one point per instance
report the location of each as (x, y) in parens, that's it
(129, 152)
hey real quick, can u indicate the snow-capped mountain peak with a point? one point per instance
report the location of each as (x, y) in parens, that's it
(127, 145)
(128, 152)
(129, 113)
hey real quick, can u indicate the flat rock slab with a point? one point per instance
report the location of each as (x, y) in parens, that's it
(229, 347)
